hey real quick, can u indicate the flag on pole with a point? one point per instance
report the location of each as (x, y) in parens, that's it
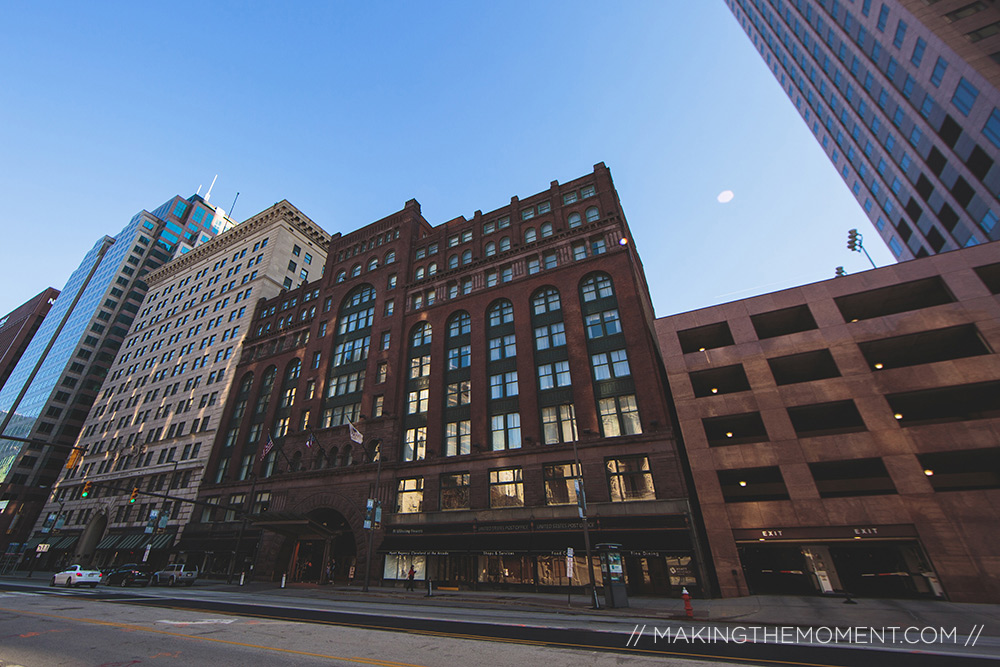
(311, 440)
(267, 447)
(355, 434)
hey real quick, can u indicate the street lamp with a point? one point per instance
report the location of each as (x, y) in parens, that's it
(581, 501)
(854, 242)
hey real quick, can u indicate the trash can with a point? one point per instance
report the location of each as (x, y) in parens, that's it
(615, 593)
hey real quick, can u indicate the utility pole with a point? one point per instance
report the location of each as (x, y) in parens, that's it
(581, 500)
(371, 514)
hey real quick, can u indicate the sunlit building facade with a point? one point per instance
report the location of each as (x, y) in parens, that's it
(475, 358)
(48, 394)
(152, 426)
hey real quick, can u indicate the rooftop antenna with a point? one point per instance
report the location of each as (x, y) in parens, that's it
(233, 207)
(208, 195)
(199, 190)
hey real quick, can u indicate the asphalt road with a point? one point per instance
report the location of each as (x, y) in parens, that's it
(110, 627)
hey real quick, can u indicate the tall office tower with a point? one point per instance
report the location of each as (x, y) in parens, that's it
(153, 424)
(490, 365)
(902, 96)
(47, 396)
(18, 327)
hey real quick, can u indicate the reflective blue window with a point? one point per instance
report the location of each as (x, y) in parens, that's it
(939, 67)
(897, 41)
(866, 7)
(927, 106)
(883, 17)
(179, 209)
(965, 96)
(908, 86)
(989, 221)
(992, 128)
(890, 68)
(918, 52)
(915, 136)
(895, 246)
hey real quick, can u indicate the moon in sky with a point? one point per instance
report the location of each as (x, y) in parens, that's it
(725, 196)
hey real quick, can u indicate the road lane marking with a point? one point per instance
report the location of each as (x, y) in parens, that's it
(139, 628)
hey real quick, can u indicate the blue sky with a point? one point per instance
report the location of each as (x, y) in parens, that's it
(350, 109)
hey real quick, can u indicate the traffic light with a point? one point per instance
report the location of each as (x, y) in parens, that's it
(853, 240)
(135, 494)
(86, 489)
(840, 271)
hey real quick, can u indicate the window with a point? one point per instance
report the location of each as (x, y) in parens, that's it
(597, 287)
(918, 52)
(549, 336)
(501, 313)
(502, 347)
(629, 478)
(420, 366)
(505, 431)
(965, 96)
(530, 235)
(939, 69)
(574, 220)
(410, 495)
(546, 301)
(458, 438)
(611, 364)
(459, 357)
(491, 249)
(417, 402)
(415, 444)
(421, 335)
(455, 491)
(605, 323)
(506, 488)
(558, 424)
(992, 128)
(593, 215)
(458, 393)
(459, 324)
(503, 385)
(560, 483)
(554, 375)
(619, 416)
(897, 40)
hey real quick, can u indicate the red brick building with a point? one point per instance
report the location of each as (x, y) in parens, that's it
(19, 326)
(845, 435)
(471, 355)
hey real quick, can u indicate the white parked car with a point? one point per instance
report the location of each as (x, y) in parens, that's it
(76, 575)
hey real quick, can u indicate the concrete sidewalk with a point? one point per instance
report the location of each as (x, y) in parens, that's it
(770, 610)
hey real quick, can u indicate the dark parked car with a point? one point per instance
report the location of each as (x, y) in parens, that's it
(129, 573)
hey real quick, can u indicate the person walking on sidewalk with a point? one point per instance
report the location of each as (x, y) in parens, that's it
(409, 578)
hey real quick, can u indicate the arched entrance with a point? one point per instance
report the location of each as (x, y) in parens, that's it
(315, 541)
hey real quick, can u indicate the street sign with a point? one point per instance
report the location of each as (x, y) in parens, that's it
(145, 554)
(42, 548)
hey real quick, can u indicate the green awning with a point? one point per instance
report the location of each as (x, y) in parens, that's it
(109, 542)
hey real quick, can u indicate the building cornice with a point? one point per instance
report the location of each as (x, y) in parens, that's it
(281, 212)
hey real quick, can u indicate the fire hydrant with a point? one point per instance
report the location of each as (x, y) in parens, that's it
(687, 603)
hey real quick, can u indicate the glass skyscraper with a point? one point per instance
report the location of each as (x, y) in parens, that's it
(49, 393)
(911, 124)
